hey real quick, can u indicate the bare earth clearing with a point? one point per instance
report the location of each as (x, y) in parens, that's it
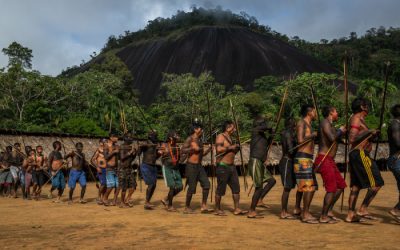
(43, 224)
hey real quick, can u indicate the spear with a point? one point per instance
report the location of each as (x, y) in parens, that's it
(382, 108)
(346, 113)
(240, 146)
(211, 142)
(278, 117)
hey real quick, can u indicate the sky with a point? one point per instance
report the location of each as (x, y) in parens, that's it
(62, 33)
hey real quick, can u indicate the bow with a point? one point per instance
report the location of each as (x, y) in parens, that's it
(211, 144)
(382, 108)
(346, 113)
(243, 170)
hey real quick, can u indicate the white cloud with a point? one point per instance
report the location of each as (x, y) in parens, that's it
(63, 33)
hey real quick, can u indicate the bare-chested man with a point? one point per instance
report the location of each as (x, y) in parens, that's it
(170, 153)
(28, 165)
(303, 161)
(364, 173)
(148, 166)
(111, 154)
(226, 170)
(257, 170)
(4, 170)
(286, 170)
(77, 173)
(394, 158)
(6, 178)
(193, 147)
(100, 162)
(56, 164)
(325, 163)
(17, 157)
(38, 172)
(126, 178)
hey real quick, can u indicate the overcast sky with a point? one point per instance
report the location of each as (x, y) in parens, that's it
(62, 33)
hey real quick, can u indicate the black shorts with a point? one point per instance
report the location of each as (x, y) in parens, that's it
(364, 173)
(287, 174)
(195, 173)
(227, 175)
(38, 177)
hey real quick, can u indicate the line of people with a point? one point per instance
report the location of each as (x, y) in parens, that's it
(113, 165)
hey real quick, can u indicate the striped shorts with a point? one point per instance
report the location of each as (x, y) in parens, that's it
(364, 173)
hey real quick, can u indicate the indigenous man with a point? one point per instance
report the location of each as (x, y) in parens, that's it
(111, 153)
(17, 157)
(38, 172)
(288, 177)
(148, 167)
(226, 170)
(126, 179)
(364, 173)
(194, 171)
(325, 163)
(303, 161)
(258, 156)
(99, 161)
(77, 173)
(6, 178)
(170, 154)
(394, 158)
(28, 165)
(56, 164)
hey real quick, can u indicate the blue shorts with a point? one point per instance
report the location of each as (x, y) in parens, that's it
(149, 173)
(58, 180)
(76, 175)
(102, 177)
(112, 179)
(394, 166)
(22, 178)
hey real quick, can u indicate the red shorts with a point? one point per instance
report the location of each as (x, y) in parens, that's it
(330, 174)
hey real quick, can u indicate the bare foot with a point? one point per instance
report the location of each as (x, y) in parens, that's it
(262, 204)
(172, 209)
(239, 211)
(123, 205)
(220, 213)
(254, 215)
(188, 210)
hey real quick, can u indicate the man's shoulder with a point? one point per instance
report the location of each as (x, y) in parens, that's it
(355, 119)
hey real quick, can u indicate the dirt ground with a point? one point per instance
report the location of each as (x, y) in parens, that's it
(43, 224)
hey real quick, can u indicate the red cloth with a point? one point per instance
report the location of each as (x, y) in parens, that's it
(330, 174)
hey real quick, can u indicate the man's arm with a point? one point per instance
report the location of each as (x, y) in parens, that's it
(287, 137)
(395, 129)
(219, 142)
(329, 132)
(186, 148)
(70, 155)
(50, 160)
(94, 158)
(300, 132)
(109, 155)
(354, 134)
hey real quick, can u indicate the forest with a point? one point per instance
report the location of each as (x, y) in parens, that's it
(99, 100)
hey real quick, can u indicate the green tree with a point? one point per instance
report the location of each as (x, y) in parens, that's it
(18, 54)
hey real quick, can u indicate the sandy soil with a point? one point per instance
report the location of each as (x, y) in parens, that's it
(43, 224)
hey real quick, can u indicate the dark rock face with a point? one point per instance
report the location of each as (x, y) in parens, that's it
(233, 55)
